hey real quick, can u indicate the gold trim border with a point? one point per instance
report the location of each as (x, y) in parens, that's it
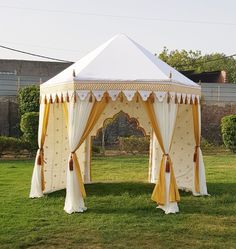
(163, 86)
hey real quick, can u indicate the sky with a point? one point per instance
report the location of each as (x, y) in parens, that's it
(69, 29)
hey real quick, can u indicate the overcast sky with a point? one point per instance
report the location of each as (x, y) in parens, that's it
(68, 29)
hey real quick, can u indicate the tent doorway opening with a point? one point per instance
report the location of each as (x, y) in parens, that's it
(120, 150)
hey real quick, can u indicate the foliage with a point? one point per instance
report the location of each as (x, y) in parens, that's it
(12, 144)
(120, 212)
(95, 149)
(228, 130)
(29, 126)
(28, 99)
(194, 60)
(134, 144)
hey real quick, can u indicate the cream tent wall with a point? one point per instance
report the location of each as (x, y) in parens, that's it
(119, 75)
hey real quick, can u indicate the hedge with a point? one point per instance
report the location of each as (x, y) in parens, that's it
(134, 144)
(12, 144)
(228, 130)
(29, 126)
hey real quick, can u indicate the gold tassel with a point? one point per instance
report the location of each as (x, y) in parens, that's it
(67, 98)
(195, 156)
(91, 98)
(71, 166)
(152, 99)
(57, 99)
(106, 98)
(50, 100)
(168, 163)
(121, 98)
(191, 101)
(181, 99)
(186, 100)
(196, 101)
(168, 97)
(62, 98)
(137, 98)
(39, 159)
(176, 99)
(45, 100)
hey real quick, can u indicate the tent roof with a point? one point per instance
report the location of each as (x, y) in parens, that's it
(120, 59)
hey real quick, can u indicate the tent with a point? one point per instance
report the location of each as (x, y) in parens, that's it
(119, 75)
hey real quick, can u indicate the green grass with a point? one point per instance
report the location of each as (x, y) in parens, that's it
(120, 213)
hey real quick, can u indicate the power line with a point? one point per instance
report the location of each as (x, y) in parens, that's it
(33, 54)
(120, 16)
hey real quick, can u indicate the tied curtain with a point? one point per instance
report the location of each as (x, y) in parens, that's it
(200, 187)
(37, 182)
(163, 118)
(81, 116)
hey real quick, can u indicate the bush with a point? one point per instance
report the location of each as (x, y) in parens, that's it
(95, 149)
(29, 126)
(28, 99)
(134, 144)
(12, 144)
(228, 130)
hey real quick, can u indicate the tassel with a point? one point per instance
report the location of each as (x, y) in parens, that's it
(91, 98)
(74, 73)
(152, 100)
(74, 97)
(50, 100)
(45, 100)
(168, 97)
(62, 98)
(191, 101)
(57, 99)
(167, 165)
(181, 99)
(121, 98)
(106, 98)
(71, 164)
(176, 99)
(196, 101)
(67, 98)
(39, 160)
(186, 100)
(195, 156)
(137, 99)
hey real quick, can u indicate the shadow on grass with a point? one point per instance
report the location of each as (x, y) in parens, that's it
(221, 201)
(141, 188)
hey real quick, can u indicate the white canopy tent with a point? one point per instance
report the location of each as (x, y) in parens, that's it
(119, 75)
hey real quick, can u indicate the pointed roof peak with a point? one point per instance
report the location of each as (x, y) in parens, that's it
(120, 59)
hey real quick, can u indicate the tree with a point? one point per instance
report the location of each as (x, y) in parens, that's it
(184, 60)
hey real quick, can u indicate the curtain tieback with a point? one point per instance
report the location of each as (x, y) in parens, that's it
(195, 153)
(168, 162)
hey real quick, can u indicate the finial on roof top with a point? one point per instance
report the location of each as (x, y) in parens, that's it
(170, 76)
(73, 72)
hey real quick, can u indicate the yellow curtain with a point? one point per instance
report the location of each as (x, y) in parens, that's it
(97, 110)
(195, 109)
(159, 192)
(40, 154)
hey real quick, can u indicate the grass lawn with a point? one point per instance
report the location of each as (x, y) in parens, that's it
(120, 212)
